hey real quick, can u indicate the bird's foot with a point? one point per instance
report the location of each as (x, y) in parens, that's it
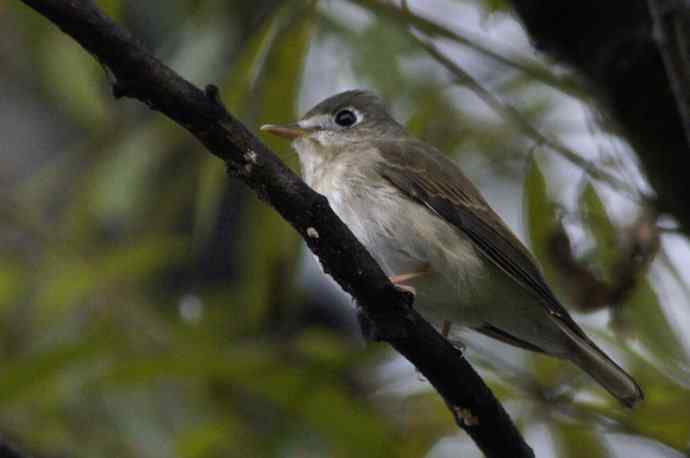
(455, 341)
(458, 345)
(445, 328)
(405, 288)
(400, 279)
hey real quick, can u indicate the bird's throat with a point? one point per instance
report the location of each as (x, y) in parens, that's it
(313, 157)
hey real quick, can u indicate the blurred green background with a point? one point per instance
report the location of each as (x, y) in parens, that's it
(152, 307)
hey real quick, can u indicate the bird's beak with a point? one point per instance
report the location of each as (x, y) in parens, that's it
(289, 131)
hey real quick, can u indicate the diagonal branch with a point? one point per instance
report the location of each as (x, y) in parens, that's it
(8, 451)
(512, 60)
(513, 116)
(638, 65)
(672, 34)
(139, 75)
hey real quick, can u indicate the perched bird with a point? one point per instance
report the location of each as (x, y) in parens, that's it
(434, 234)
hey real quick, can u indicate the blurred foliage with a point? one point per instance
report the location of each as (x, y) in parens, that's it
(151, 307)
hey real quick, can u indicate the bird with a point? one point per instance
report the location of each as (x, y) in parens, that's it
(435, 235)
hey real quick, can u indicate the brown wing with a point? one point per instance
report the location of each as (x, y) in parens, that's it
(503, 336)
(408, 164)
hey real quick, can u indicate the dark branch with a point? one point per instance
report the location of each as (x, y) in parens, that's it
(8, 451)
(588, 292)
(511, 115)
(139, 75)
(614, 45)
(671, 19)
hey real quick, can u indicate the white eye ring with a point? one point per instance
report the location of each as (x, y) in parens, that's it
(346, 117)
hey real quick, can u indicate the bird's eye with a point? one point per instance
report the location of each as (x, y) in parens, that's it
(345, 118)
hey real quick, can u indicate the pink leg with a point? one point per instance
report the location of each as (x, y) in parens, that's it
(406, 288)
(400, 279)
(445, 329)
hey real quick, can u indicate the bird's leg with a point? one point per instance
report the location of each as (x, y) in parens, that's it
(445, 328)
(406, 288)
(400, 279)
(370, 330)
(397, 279)
(445, 331)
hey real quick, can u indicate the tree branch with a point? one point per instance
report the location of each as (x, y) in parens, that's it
(588, 292)
(673, 39)
(8, 451)
(511, 115)
(528, 66)
(139, 75)
(613, 44)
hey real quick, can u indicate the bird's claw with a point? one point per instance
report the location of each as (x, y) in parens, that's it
(406, 288)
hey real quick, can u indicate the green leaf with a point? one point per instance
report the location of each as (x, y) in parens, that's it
(541, 218)
(116, 190)
(378, 53)
(246, 68)
(37, 373)
(279, 80)
(75, 80)
(271, 245)
(659, 417)
(495, 6)
(112, 8)
(237, 90)
(212, 184)
(12, 284)
(603, 231)
(67, 282)
(220, 438)
(576, 440)
(642, 317)
(436, 120)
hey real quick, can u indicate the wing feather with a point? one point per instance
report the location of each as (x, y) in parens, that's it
(408, 164)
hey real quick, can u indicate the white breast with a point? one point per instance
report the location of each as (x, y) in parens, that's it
(402, 235)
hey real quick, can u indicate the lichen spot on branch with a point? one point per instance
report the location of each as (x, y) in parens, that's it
(466, 416)
(250, 159)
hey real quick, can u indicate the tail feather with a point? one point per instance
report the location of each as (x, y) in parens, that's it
(601, 368)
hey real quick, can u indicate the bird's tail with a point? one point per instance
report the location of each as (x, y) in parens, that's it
(601, 368)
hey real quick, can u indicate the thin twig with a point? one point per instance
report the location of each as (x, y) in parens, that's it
(524, 64)
(672, 35)
(512, 115)
(618, 56)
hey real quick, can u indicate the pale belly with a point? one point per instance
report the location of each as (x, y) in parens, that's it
(461, 287)
(407, 238)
